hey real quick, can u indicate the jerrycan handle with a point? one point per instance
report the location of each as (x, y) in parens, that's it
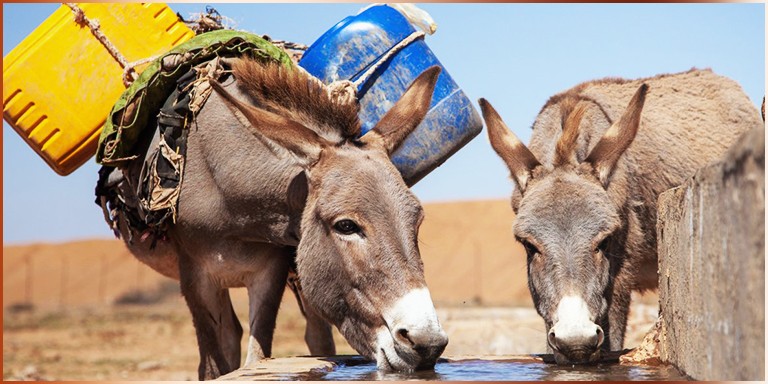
(415, 15)
(345, 91)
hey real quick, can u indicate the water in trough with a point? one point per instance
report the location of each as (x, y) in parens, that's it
(501, 370)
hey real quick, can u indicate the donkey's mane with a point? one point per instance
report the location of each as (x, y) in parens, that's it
(291, 93)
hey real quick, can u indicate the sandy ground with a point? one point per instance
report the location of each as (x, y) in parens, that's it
(73, 328)
(157, 342)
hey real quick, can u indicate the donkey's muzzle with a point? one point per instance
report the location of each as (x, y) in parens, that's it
(426, 344)
(414, 332)
(576, 345)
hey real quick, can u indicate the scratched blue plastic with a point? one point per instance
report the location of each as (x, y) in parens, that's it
(345, 51)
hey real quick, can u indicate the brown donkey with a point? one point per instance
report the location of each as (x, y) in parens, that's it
(586, 192)
(275, 170)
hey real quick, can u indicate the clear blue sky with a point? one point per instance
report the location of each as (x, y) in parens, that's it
(516, 55)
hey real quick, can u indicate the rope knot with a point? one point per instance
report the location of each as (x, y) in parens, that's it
(79, 16)
(343, 92)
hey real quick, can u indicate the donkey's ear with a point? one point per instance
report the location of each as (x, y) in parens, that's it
(303, 142)
(605, 155)
(407, 113)
(518, 157)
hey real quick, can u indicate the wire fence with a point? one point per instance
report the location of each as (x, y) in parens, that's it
(92, 274)
(466, 262)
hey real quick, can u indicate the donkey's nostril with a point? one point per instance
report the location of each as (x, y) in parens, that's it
(402, 335)
(552, 339)
(600, 337)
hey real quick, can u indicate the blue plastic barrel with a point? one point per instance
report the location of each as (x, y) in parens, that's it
(345, 51)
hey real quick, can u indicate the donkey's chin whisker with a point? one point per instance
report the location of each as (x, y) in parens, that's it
(393, 364)
(382, 360)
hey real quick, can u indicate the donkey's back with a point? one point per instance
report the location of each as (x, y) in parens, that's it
(689, 120)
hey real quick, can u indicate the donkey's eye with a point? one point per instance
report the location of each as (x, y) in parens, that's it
(530, 249)
(603, 246)
(346, 227)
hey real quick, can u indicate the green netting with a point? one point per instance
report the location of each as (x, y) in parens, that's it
(147, 94)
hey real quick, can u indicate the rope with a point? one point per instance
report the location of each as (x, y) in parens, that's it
(341, 91)
(345, 91)
(294, 50)
(129, 73)
(130, 69)
(211, 20)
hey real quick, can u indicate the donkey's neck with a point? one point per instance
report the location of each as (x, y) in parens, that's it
(237, 185)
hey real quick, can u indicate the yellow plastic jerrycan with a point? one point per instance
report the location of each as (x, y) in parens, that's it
(61, 82)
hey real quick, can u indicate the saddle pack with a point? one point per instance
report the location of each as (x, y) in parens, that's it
(143, 143)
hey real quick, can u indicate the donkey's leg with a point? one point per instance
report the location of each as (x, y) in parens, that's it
(318, 334)
(216, 325)
(265, 291)
(617, 319)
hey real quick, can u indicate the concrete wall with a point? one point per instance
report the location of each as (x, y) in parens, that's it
(712, 267)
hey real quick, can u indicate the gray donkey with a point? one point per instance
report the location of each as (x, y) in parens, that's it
(586, 192)
(275, 170)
